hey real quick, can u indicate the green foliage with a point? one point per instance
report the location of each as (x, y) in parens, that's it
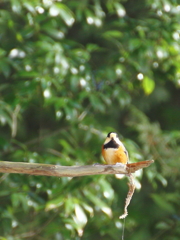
(70, 72)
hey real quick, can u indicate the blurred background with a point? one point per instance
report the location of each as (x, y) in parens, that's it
(70, 72)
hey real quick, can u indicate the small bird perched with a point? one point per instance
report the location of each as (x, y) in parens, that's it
(113, 150)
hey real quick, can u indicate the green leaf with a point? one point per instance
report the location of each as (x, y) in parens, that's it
(163, 226)
(55, 203)
(112, 34)
(81, 218)
(63, 11)
(148, 85)
(98, 202)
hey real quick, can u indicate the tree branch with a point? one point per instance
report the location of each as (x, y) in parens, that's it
(70, 171)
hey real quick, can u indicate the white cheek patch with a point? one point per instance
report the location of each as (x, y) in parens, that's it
(120, 143)
(107, 140)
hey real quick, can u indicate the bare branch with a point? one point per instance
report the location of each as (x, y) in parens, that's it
(76, 171)
(70, 171)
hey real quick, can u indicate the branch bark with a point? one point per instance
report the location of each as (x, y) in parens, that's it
(76, 171)
(70, 171)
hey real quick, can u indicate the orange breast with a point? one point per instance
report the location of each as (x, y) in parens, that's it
(113, 156)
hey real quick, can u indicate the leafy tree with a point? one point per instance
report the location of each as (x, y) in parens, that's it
(71, 71)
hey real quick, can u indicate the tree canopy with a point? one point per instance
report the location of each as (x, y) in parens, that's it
(70, 72)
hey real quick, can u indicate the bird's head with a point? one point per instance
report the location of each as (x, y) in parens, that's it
(112, 136)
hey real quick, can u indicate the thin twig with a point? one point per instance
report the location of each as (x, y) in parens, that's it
(129, 195)
(14, 120)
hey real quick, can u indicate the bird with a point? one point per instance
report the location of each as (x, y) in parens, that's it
(113, 150)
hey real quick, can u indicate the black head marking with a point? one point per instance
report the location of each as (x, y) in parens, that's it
(109, 134)
(111, 144)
